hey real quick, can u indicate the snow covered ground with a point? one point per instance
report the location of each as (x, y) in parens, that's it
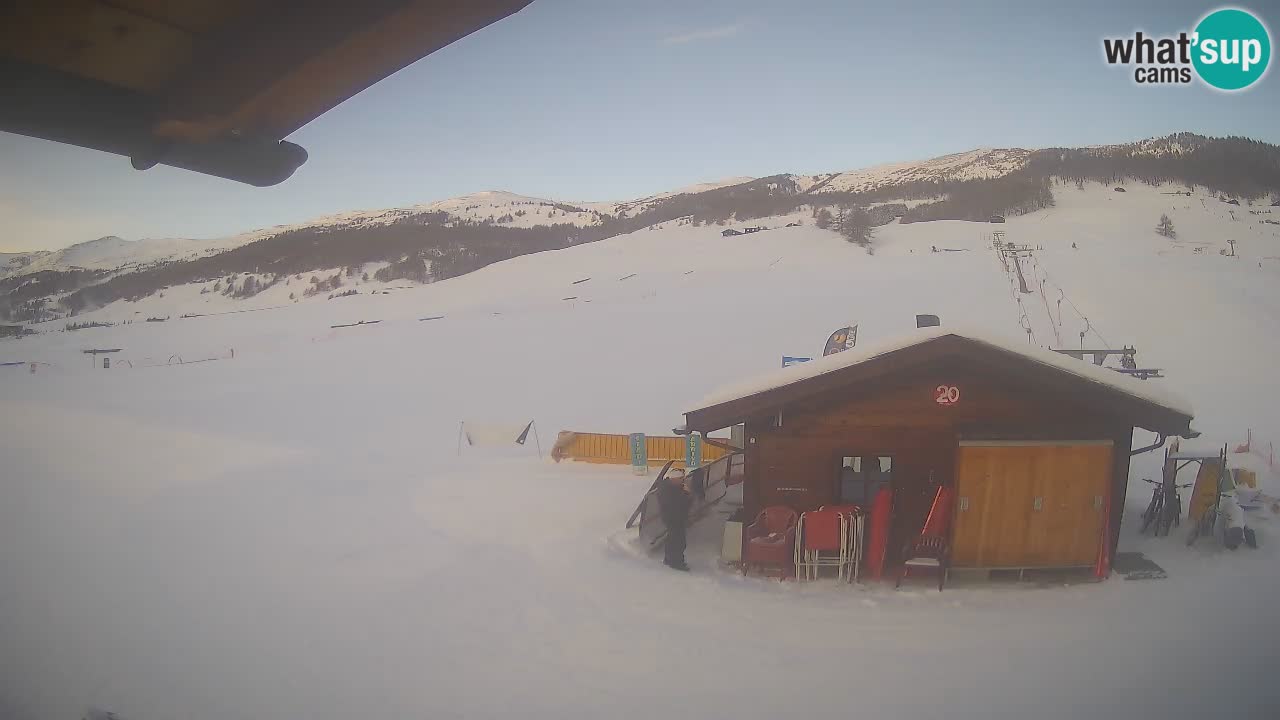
(292, 533)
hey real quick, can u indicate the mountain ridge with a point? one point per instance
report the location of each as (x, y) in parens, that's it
(977, 163)
(445, 238)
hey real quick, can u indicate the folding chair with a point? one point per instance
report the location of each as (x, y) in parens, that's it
(852, 525)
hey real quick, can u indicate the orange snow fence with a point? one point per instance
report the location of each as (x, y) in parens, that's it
(616, 449)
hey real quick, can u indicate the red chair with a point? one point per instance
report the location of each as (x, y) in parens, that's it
(820, 542)
(771, 540)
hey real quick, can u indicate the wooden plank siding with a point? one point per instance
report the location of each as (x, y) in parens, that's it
(795, 463)
(1032, 505)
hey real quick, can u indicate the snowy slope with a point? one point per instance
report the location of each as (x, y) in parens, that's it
(976, 164)
(114, 253)
(515, 210)
(503, 208)
(512, 210)
(640, 204)
(293, 532)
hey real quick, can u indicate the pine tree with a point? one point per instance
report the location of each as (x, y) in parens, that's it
(856, 227)
(1165, 228)
(823, 219)
(838, 220)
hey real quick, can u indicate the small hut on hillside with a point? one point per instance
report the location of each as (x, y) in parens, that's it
(1034, 445)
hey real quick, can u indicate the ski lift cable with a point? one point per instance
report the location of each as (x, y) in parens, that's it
(1088, 325)
(1025, 322)
(1056, 325)
(1056, 335)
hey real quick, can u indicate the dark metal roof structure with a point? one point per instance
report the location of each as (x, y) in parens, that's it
(213, 86)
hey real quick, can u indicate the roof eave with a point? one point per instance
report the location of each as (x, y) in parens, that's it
(1143, 413)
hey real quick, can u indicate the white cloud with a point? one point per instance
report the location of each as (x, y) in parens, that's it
(715, 33)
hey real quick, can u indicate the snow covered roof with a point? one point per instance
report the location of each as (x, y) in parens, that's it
(1143, 390)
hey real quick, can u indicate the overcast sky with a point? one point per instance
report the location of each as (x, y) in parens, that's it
(601, 100)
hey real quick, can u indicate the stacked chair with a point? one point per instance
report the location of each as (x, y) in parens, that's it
(829, 537)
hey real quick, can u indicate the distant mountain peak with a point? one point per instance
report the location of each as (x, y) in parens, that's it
(507, 209)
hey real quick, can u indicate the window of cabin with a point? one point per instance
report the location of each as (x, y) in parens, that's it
(860, 476)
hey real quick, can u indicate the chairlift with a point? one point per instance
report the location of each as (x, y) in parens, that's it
(1128, 359)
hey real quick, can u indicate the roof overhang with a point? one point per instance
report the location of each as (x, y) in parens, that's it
(1142, 412)
(213, 86)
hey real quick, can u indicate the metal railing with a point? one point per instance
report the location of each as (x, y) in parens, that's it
(709, 484)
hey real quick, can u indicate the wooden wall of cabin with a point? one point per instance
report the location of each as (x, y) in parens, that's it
(796, 464)
(1123, 439)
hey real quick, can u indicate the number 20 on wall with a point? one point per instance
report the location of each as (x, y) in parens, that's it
(946, 395)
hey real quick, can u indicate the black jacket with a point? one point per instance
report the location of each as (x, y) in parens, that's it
(674, 501)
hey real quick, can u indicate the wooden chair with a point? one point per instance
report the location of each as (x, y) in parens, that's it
(926, 551)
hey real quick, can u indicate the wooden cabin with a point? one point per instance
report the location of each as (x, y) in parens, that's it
(1036, 445)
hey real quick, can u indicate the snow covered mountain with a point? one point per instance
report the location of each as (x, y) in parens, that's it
(295, 524)
(441, 239)
(115, 254)
(501, 208)
(973, 165)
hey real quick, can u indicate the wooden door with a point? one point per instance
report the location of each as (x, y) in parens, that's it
(1024, 505)
(994, 491)
(1076, 504)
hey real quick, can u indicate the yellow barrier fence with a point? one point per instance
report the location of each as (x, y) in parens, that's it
(616, 449)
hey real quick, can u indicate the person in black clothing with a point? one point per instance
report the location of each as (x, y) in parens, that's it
(674, 500)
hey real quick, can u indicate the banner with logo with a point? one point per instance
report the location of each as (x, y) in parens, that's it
(841, 340)
(693, 450)
(788, 361)
(639, 454)
(1227, 49)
